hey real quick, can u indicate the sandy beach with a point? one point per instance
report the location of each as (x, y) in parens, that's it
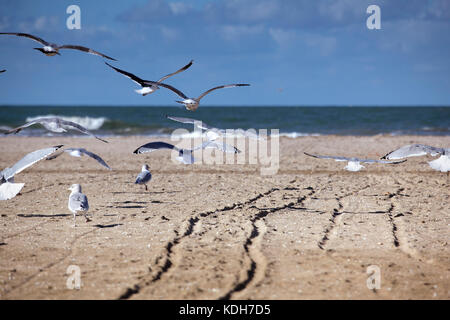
(310, 231)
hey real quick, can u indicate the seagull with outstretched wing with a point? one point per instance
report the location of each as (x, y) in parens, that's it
(193, 103)
(185, 155)
(9, 189)
(51, 49)
(214, 133)
(354, 164)
(151, 86)
(415, 150)
(79, 152)
(55, 124)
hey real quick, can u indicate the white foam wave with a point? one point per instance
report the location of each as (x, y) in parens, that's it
(198, 134)
(87, 122)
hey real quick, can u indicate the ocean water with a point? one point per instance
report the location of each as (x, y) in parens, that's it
(291, 121)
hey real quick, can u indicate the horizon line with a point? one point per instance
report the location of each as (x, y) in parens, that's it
(227, 106)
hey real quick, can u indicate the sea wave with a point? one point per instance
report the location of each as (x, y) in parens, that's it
(89, 123)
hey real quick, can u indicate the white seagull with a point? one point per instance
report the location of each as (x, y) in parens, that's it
(78, 202)
(55, 125)
(185, 155)
(353, 163)
(9, 189)
(147, 85)
(51, 49)
(414, 150)
(144, 176)
(214, 133)
(79, 152)
(193, 103)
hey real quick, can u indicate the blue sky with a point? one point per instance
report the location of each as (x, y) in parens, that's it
(292, 52)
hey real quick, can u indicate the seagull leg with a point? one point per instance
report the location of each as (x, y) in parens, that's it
(74, 219)
(146, 189)
(86, 217)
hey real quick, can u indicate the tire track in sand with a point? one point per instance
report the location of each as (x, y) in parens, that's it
(252, 246)
(171, 257)
(336, 217)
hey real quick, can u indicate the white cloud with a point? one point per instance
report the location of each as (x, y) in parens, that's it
(287, 37)
(282, 36)
(38, 24)
(234, 32)
(179, 8)
(168, 33)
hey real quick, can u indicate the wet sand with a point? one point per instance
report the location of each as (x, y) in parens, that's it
(225, 231)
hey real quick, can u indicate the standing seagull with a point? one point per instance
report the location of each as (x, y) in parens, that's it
(78, 202)
(353, 163)
(147, 85)
(414, 150)
(79, 152)
(9, 189)
(144, 176)
(55, 125)
(51, 49)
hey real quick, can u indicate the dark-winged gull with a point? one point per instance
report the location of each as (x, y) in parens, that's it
(55, 125)
(144, 176)
(193, 103)
(414, 150)
(79, 152)
(214, 133)
(185, 155)
(77, 202)
(353, 163)
(51, 49)
(9, 189)
(147, 85)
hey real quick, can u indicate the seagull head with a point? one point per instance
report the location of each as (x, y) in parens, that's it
(145, 167)
(75, 188)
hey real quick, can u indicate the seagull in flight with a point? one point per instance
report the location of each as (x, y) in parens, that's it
(214, 133)
(185, 155)
(147, 85)
(55, 125)
(9, 189)
(79, 152)
(415, 150)
(192, 104)
(51, 49)
(144, 176)
(353, 163)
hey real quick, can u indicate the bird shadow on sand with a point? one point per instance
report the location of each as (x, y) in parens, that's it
(126, 207)
(31, 215)
(144, 192)
(131, 204)
(102, 226)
